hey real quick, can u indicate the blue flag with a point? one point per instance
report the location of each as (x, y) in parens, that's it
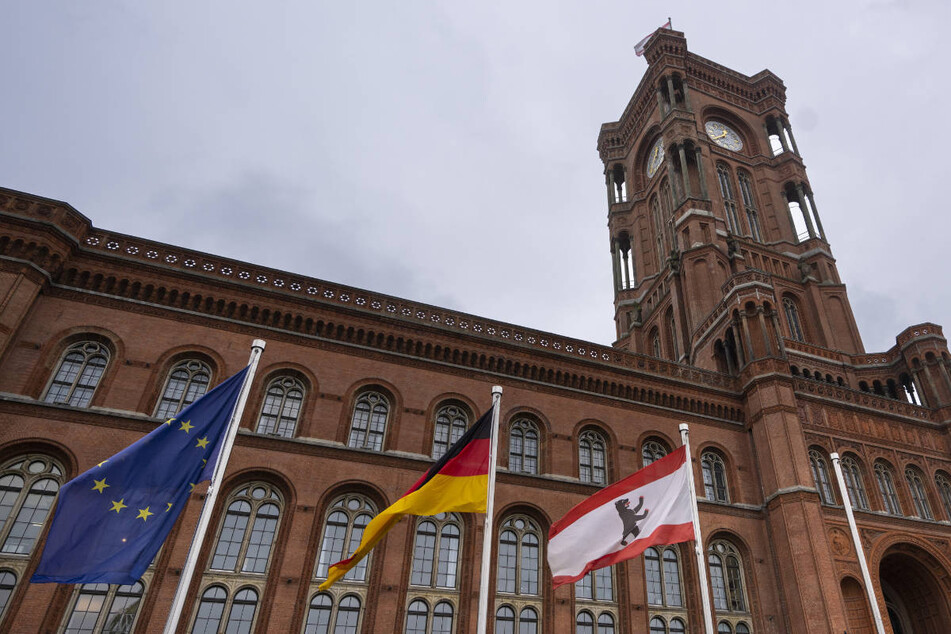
(111, 521)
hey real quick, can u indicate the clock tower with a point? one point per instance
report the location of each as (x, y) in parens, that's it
(717, 245)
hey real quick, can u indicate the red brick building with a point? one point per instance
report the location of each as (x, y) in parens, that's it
(730, 316)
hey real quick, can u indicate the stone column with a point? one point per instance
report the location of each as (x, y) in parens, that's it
(683, 82)
(782, 137)
(915, 376)
(792, 139)
(748, 340)
(703, 178)
(806, 214)
(616, 265)
(792, 223)
(675, 190)
(779, 333)
(660, 102)
(683, 167)
(670, 91)
(625, 253)
(762, 324)
(815, 212)
(609, 182)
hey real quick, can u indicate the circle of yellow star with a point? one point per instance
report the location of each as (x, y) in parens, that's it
(100, 485)
(144, 514)
(103, 462)
(118, 506)
(186, 426)
(202, 442)
(169, 421)
(191, 486)
(169, 507)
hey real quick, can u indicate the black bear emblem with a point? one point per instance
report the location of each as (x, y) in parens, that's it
(630, 517)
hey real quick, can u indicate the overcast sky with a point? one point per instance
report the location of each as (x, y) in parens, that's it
(445, 151)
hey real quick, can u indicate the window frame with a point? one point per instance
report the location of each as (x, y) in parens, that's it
(287, 384)
(820, 476)
(525, 426)
(373, 398)
(89, 349)
(590, 440)
(709, 461)
(194, 368)
(110, 594)
(245, 493)
(447, 416)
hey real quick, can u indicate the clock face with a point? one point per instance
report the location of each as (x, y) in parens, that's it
(656, 158)
(724, 136)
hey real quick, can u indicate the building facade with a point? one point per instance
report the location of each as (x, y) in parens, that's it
(730, 317)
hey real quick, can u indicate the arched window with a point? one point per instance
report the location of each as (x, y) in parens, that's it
(443, 615)
(99, 607)
(655, 344)
(714, 477)
(28, 486)
(820, 476)
(436, 551)
(281, 409)
(724, 627)
(854, 483)
(749, 204)
(726, 577)
(652, 451)
(742, 628)
(792, 319)
(886, 487)
(343, 530)
(672, 336)
(417, 618)
(943, 482)
(8, 582)
(187, 382)
(451, 423)
(584, 623)
(322, 618)
(238, 549)
(658, 232)
(662, 573)
(78, 374)
(725, 179)
(592, 461)
(523, 447)
(519, 556)
(368, 425)
(605, 623)
(918, 495)
(241, 607)
(597, 585)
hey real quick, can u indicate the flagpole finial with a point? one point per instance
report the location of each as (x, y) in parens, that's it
(497, 389)
(684, 427)
(834, 455)
(259, 343)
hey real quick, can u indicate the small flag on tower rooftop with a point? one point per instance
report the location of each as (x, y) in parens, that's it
(639, 47)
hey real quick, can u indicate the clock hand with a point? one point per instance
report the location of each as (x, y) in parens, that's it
(725, 132)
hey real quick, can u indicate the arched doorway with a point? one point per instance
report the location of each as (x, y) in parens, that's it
(914, 597)
(856, 607)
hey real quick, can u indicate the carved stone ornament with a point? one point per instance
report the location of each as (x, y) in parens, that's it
(841, 544)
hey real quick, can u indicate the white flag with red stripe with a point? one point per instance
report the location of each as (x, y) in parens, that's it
(639, 47)
(619, 522)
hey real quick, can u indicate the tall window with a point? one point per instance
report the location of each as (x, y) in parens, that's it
(187, 382)
(729, 200)
(8, 583)
(326, 617)
(944, 492)
(78, 374)
(507, 623)
(523, 446)
(99, 607)
(240, 606)
(672, 336)
(662, 572)
(247, 531)
(726, 577)
(597, 585)
(714, 477)
(655, 344)
(519, 557)
(436, 551)
(658, 231)
(854, 483)
(368, 424)
(28, 486)
(792, 319)
(281, 408)
(749, 204)
(652, 451)
(343, 530)
(451, 424)
(886, 487)
(820, 475)
(918, 495)
(592, 462)
(418, 621)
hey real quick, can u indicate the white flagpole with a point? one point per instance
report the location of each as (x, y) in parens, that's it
(697, 537)
(257, 347)
(847, 503)
(489, 512)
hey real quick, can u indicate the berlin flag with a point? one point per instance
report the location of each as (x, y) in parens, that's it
(619, 522)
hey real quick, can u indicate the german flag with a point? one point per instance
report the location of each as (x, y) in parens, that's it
(458, 482)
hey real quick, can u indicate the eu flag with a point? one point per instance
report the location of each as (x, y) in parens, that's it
(111, 520)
